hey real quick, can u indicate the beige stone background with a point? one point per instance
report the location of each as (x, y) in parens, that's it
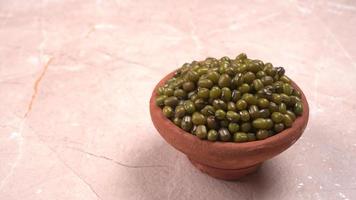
(76, 78)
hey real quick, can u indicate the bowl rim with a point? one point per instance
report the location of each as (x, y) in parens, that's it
(299, 124)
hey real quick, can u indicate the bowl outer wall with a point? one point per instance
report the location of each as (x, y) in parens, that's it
(226, 155)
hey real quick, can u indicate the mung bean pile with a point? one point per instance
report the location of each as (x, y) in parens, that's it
(230, 100)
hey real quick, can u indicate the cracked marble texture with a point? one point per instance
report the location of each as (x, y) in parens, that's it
(76, 78)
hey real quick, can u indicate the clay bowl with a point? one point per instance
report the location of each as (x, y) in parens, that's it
(226, 160)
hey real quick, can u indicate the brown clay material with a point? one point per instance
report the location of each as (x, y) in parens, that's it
(225, 155)
(225, 174)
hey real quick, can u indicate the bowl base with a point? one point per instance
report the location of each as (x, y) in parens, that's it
(225, 174)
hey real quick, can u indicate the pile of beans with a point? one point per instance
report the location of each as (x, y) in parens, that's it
(230, 100)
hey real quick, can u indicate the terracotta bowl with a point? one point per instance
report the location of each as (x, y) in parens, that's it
(226, 160)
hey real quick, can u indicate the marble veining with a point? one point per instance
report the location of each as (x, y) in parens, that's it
(76, 77)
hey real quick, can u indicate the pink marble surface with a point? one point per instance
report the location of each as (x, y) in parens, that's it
(76, 77)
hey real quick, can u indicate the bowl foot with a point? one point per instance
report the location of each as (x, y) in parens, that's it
(225, 174)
